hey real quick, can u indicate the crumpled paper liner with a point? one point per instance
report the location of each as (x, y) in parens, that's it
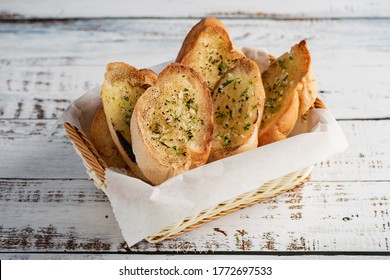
(142, 210)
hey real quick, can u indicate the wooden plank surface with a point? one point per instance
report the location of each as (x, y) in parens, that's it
(47, 204)
(35, 73)
(32, 153)
(194, 8)
(53, 215)
(191, 256)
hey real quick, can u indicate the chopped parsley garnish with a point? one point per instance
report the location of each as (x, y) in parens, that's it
(162, 143)
(226, 141)
(189, 134)
(282, 64)
(219, 114)
(225, 83)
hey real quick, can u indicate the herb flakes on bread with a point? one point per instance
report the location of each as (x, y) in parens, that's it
(209, 50)
(282, 83)
(172, 124)
(238, 102)
(123, 85)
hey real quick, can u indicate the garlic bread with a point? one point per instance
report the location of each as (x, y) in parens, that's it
(104, 145)
(238, 102)
(172, 124)
(194, 33)
(123, 85)
(281, 84)
(308, 93)
(149, 75)
(211, 54)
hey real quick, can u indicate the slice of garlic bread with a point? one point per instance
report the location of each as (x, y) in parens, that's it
(281, 83)
(238, 102)
(194, 33)
(308, 93)
(150, 76)
(172, 124)
(123, 85)
(103, 143)
(211, 54)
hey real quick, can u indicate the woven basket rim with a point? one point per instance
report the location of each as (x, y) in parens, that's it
(95, 167)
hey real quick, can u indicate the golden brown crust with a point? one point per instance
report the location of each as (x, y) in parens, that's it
(120, 72)
(150, 76)
(282, 83)
(211, 54)
(238, 102)
(194, 33)
(122, 87)
(105, 146)
(308, 93)
(283, 126)
(165, 140)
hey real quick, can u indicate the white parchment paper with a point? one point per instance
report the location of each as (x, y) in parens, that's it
(142, 210)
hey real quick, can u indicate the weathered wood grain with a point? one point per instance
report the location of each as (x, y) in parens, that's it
(188, 256)
(73, 216)
(367, 157)
(192, 8)
(36, 149)
(47, 204)
(33, 213)
(60, 61)
(27, 151)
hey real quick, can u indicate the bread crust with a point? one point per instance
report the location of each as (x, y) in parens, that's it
(150, 76)
(161, 161)
(191, 37)
(238, 102)
(103, 143)
(282, 126)
(123, 84)
(308, 93)
(282, 83)
(211, 53)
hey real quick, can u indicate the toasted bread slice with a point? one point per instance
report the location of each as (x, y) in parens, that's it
(308, 93)
(194, 33)
(150, 76)
(172, 124)
(123, 85)
(211, 54)
(307, 89)
(103, 143)
(281, 83)
(238, 102)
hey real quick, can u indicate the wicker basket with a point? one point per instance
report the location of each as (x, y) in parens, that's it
(95, 168)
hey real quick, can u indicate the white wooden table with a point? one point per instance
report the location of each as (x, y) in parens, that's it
(51, 52)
